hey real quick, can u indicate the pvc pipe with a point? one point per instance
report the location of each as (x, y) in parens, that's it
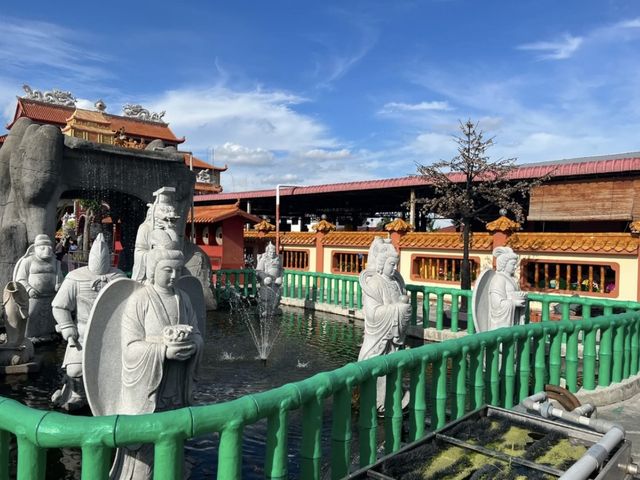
(598, 452)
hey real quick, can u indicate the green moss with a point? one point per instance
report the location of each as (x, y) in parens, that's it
(562, 453)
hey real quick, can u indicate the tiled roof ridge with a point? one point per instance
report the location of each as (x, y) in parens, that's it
(107, 114)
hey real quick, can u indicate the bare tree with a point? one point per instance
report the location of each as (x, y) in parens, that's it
(470, 184)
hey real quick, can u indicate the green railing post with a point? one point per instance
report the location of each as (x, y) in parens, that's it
(393, 411)
(626, 367)
(367, 423)
(343, 293)
(454, 312)
(414, 307)
(589, 351)
(439, 392)
(341, 434)
(417, 401)
(31, 460)
(555, 356)
(359, 295)
(618, 353)
(168, 459)
(322, 279)
(276, 457)
(509, 372)
(459, 374)
(571, 361)
(524, 365)
(311, 451)
(350, 294)
(604, 356)
(477, 372)
(230, 453)
(493, 372)
(96, 461)
(545, 311)
(635, 353)
(426, 308)
(440, 311)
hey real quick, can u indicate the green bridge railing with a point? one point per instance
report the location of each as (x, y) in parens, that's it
(445, 381)
(344, 291)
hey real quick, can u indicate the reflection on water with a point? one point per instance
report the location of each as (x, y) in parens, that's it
(308, 343)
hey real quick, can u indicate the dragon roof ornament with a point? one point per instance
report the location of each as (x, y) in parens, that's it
(57, 97)
(141, 113)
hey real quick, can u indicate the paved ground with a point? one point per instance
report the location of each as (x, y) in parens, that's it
(627, 414)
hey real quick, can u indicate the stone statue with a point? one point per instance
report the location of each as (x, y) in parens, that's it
(139, 112)
(159, 227)
(203, 176)
(497, 299)
(17, 349)
(142, 352)
(269, 272)
(386, 305)
(39, 272)
(71, 307)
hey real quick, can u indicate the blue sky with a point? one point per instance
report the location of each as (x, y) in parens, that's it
(329, 91)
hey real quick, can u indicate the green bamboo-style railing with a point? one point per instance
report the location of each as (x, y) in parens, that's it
(446, 380)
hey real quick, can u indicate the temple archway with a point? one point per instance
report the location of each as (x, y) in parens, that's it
(38, 164)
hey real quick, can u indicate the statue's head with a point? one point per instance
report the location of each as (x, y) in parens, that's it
(386, 258)
(506, 259)
(42, 247)
(270, 250)
(99, 256)
(164, 265)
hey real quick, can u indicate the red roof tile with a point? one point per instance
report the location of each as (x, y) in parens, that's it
(286, 238)
(217, 213)
(621, 163)
(43, 112)
(351, 239)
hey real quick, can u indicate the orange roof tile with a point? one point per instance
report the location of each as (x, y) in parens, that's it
(613, 243)
(217, 213)
(286, 238)
(197, 163)
(447, 241)
(43, 112)
(351, 239)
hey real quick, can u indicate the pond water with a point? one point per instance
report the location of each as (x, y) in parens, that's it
(308, 343)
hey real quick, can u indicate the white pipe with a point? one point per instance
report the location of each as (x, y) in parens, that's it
(598, 452)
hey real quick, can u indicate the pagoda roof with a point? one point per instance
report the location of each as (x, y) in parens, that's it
(44, 112)
(197, 163)
(217, 213)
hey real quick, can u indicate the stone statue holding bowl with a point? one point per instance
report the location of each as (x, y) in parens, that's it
(142, 351)
(498, 300)
(386, 305)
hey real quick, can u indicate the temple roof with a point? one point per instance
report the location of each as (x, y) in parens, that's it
(43, 112)
(197, 163)
(217, 213)
(622, 243)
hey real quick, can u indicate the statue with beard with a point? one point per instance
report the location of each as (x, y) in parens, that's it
(71, 307)
(39, 272)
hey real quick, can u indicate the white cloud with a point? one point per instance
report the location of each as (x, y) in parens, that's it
(254, 119)
(415, 107)
(557, 50)
(634, 23)
(234, 154)
(434, 145)
(27, 44)
(320, 154)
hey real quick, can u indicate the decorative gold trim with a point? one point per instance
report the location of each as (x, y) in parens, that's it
(503, 224)
(398, 225)
(323, 226)
(264, 226)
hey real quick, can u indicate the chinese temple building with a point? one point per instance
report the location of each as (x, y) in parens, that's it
(137, 129)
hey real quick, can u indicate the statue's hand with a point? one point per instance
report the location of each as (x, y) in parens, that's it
(268, 281)
(70, 334)
(278, 281)
(181, 352)
(33, 293)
